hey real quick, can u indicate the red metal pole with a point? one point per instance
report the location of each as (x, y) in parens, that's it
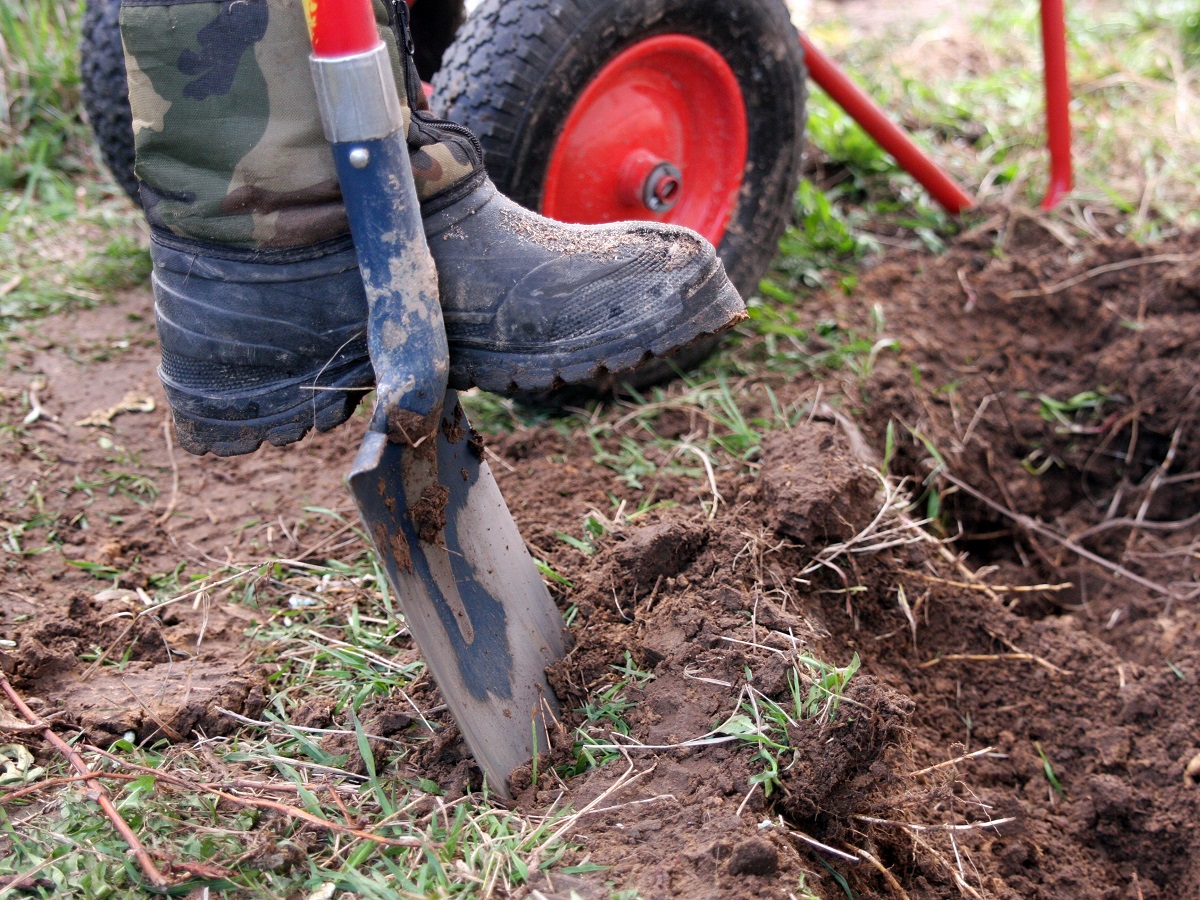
(1058, 101)
(887, 134)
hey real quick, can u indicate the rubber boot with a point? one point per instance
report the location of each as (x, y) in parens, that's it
(258, 300)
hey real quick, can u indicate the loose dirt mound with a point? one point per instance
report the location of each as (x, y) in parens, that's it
(1055, 378)
(1043, 396)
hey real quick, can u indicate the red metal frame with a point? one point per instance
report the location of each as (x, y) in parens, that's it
(944, 189)
(1058, 101)
(867, 113)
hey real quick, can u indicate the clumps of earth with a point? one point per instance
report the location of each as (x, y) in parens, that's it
(996, 522)
(182, 674)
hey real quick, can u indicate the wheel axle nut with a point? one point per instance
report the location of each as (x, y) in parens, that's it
(649, 181)
(662, 188)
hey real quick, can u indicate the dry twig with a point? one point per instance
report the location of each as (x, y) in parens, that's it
(1041, 661)
(1036, 527)
(887, 876)
(813, 842)
(95, 791)
(997, 588)
(946, 826)
(950, 762)
(170, 510)
(1101, 270)
(977, 657)
(291, 811)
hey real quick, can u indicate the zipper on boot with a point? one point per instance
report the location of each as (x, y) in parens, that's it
(401, 24)
(398, 21)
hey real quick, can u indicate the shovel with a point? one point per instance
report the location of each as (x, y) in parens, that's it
(471, 595)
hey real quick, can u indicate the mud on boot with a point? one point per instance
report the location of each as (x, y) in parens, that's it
(532, 304)
(259, 346)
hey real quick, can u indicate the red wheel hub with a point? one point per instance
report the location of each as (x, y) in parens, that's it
(660, 134)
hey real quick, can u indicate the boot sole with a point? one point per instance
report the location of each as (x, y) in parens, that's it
(323, 409)
(507, 372)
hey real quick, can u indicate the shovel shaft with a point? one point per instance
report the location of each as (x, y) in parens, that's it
(472, 597)
(406, 336)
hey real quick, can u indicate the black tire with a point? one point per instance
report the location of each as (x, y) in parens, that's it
(105, 88)
(106, 92)
(516, 69)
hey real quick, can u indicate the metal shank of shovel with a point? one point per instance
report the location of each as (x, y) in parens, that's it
(472, 597)
(406, 336)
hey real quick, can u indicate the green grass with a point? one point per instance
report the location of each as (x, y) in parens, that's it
(464, 848)
(347, 647)
(41, 133)
(815, 689)
(604, 715)
(975, 98)
(68, 238)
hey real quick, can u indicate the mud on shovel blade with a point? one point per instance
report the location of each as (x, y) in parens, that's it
(472, 597)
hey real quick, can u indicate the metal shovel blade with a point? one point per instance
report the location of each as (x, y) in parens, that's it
(473, 599)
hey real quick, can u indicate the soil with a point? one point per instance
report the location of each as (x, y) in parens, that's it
(1030, 656)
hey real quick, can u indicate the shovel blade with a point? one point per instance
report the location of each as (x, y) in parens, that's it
(473, 599)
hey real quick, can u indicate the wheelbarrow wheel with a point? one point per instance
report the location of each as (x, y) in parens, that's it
(105, 91)
(105, 88)
(682, 111)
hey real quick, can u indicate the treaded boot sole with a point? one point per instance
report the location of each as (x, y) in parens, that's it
(719, 307)
(323, 408)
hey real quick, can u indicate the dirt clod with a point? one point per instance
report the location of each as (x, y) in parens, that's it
(753, 857)
(429, 513)
(815, 489)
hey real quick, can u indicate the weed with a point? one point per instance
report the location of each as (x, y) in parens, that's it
(827, 684)
(1066, 413)
(631, 674)
(547, 572)
(889, 447)
(822, 239)
(839, 878)
(802, 892)
(750, 727)
(593, 530)
(1048, 770)
(764, 722)
(1039, 462)
(604, 714)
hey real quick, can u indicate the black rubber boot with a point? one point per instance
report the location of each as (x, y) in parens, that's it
(531, 304)
(263, 346)
(259, 346)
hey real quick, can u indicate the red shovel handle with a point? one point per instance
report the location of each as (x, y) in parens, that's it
(341, 27)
